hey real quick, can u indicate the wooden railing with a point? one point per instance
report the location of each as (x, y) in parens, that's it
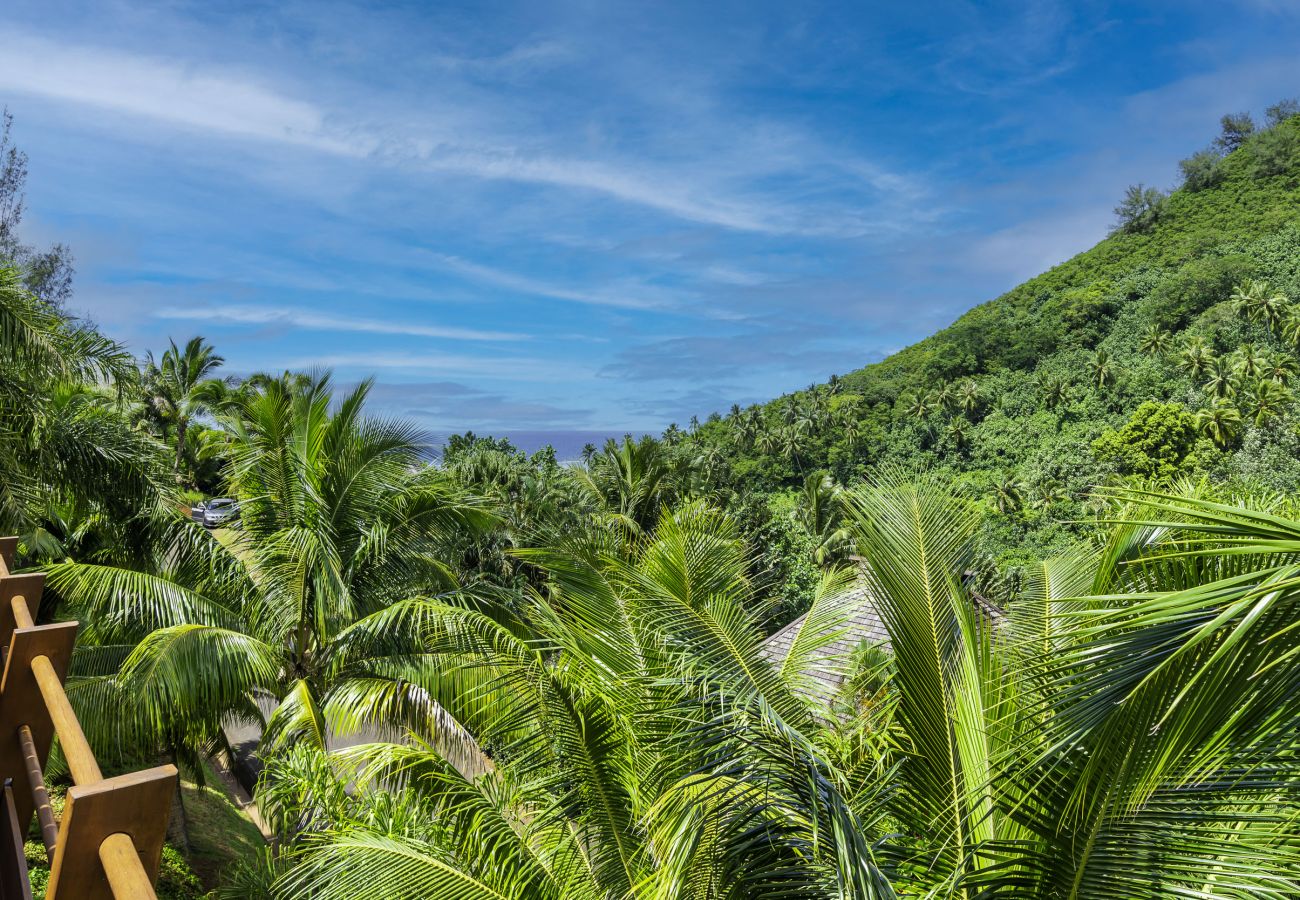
(109, 842)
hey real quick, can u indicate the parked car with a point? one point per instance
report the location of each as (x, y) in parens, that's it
(221, 511)
(197, 510)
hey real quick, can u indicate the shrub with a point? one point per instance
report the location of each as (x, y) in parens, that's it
(1282, 110)
(1140, 210)
(1201, 170)
(1236, 130)
(1157, 442)
(1275, 152)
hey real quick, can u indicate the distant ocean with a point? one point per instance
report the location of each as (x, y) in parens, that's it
(568, 444)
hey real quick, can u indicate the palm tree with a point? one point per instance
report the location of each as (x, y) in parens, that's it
(768, 442)
(959, 432)
(1260, 303)
(1102, 367)
(1289, 328)
(852, 432)
(1280, 367)
(340, 532)
(1049, 492)
(1221, 423)
(834, 385)
(1196, 356)
(66, 440)
(1248, 361)
(178, 387)
(644, 746)
(946, 397)
(920, 405)
(1223, 379)
(1008, 494)
(791, 444)
(630, 480)
(1055, 391)
(969, 397)
(819, 514)
(1155, 341)
(1136, 755)
(1267, 400)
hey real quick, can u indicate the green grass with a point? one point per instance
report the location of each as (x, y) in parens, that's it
(221, 835)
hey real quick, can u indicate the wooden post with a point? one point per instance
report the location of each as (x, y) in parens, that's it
(22, 701)
(14, 881)
(109, 845)
(130, 805)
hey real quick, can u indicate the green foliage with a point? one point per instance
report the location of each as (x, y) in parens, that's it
(1158, 441)
(1202, 170)
(1237, 129)
(176, 880)
(1140, 209)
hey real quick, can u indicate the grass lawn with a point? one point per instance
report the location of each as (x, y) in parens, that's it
(221, 834)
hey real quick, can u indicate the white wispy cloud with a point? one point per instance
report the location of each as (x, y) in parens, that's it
(241, 105)
(480, 367)
(527, 285)
(299, 318)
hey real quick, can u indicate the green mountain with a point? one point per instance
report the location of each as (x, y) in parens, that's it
(1168, 350)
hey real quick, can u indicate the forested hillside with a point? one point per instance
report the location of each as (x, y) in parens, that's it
(1168, 350)
(552, 681)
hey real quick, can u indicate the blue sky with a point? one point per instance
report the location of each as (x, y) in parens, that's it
(597, 216)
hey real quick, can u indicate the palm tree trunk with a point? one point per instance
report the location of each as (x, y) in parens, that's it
(181, 426)
(178, 824)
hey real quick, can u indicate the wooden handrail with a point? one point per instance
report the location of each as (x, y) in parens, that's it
(122, 866)
(120, 858)
(36, 781)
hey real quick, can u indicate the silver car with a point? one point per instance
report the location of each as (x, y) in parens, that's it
(221, 511)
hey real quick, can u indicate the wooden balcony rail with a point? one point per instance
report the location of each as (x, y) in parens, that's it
(108, 845)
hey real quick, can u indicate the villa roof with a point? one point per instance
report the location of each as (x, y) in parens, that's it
(863, 625)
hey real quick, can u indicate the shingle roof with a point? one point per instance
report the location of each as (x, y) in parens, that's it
(863, 625)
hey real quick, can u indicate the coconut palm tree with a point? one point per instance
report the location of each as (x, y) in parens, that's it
(1155, 341)
(791, 439)
(1048, 492)
(1248, 361)
(630, 481)
(1280, 367)
(1134, 743)
(1008, 494)
(946, 397)
(1221, 423)
(921, 404)
(959, 432)
(1102, 367)
(1222, 379)
(969, 397)
(644, 745)
(1267, 400)
(852, 432)
(177, 387)
(1257, 300)
(1289, 328)
(1196, 356)
(66, 440)
(339, 528)
(820, 516)
(1055, 390)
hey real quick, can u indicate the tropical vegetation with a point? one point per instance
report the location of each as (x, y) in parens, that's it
(482, 673)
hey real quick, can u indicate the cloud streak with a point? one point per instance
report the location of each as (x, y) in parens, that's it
(234, 104)
(298, 318)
